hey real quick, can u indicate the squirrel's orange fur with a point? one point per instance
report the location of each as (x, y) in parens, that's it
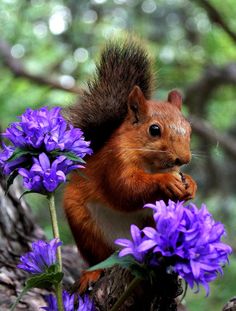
(132, 168)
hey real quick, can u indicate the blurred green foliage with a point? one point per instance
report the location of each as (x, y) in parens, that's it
(61, 40)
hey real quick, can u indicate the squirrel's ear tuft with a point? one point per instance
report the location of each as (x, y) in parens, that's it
(137, 108)
(175, 98)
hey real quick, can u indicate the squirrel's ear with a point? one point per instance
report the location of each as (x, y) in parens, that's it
(136, 104)
(175, 98)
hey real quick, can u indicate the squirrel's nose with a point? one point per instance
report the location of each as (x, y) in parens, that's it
(182, 161)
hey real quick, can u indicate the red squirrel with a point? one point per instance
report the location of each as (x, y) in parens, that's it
(139, 145)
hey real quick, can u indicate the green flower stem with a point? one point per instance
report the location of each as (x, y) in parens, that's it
(58, 292)
(55, 229)
(132, 285)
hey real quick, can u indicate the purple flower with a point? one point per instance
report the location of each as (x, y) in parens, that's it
(187, 238)
(85, 304)
(44, 148)
(42, 256)
(67, 140)
(131, 246)
(43, 174)
(34, 126)
(47, 130)
(8, 167)
(51, 303)
(68, 302)
(6, 154)
(164, 238)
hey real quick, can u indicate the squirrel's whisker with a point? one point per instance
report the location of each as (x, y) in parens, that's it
(200, 155)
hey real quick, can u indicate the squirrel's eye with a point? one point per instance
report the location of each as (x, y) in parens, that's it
(154, 130)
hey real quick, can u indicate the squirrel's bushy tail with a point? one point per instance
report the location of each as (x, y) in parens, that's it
(103, 105)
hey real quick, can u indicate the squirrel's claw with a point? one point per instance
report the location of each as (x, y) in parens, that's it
(191, 187)
(178, 186)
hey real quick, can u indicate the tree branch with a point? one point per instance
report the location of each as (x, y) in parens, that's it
(18, 70)
(205, 130)
(217, 18)
(197, 94)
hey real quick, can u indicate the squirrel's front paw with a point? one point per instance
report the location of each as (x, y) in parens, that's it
(178, 186)
(190, 185)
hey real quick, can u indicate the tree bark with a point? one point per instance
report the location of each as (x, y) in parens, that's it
(159, 296)
(18, 230)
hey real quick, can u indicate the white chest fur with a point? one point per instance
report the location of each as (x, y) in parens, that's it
(115, 224)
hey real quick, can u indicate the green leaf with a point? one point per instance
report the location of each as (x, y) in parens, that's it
(32, 191)
(107, 263)
(45, 280)
(70, 155)
(58, 277)
(26, 192)
(20, 152)
(114, 259)
(73, 157)
(11, 179)
(127, 262)
(53, 268)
